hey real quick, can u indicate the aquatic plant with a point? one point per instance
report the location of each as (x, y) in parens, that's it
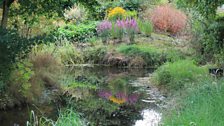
(103, 29)
(67, 117)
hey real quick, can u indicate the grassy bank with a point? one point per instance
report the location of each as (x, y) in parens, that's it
(198, 96)
(202, 106)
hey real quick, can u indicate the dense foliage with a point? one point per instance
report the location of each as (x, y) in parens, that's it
(40, 40)
(77, 33)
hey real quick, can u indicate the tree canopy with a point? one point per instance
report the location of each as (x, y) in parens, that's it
(206, 7)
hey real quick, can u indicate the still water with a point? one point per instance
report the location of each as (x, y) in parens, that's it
(123, 97)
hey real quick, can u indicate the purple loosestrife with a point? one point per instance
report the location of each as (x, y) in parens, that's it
(103, 29)
(131, 28)
(119, 29)
(121, 95)
(128, 26)
(120, 24)
(131, 24)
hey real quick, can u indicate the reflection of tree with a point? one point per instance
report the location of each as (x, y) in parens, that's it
(104, 113)
(118, 85)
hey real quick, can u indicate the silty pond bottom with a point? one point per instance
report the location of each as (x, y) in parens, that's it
(113, 97)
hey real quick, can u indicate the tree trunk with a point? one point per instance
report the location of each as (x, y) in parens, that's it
(5, 14)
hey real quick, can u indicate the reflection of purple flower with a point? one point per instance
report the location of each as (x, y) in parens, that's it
(104, 94)
(121, 95)
(133, 98)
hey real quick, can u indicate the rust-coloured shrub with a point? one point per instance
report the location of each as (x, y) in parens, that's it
(168, 19)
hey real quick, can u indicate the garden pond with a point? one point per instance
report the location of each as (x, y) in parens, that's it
(112, 97)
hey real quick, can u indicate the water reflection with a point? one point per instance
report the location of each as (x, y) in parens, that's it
(150, 118)
(120, 97)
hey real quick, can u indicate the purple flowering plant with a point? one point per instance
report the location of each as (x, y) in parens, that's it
(128, 26)
(103, 30)
(131, 28)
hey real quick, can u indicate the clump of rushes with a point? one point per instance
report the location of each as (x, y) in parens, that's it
(116, 13)
(103, 29)
(131, 29)
(145, 27)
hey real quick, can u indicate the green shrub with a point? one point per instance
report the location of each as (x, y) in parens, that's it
(219, 58)
(202, 106)
(77, 33)
(32, 75)
(20, 85)
(131, 14)
(178, 74)
(11, 46)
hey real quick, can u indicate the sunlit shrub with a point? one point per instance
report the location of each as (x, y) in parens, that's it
(131, 14)
(116, 13)
(76, 13)
(168, 19)
(103, 29)
(82, 32)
